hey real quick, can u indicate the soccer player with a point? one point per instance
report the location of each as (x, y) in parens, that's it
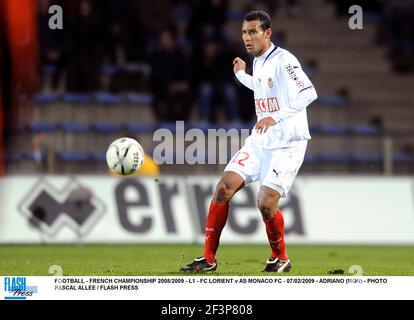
(274, 152)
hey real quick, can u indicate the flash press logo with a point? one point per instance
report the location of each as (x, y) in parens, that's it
(16, 288)
(73, 205)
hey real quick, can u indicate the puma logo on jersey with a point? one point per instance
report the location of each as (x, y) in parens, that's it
(266, 105)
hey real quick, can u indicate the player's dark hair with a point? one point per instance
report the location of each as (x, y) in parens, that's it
(263, 17)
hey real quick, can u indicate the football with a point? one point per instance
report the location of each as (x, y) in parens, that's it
(125, 156)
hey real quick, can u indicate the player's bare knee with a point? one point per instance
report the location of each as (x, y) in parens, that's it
(224, 192)
(267, 208)
(267, 202)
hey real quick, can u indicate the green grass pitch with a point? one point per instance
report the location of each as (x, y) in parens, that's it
(234, 260)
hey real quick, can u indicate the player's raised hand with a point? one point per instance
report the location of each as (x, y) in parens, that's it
(264, 124)
(238, 64)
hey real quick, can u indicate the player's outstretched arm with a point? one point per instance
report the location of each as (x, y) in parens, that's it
(300, 89)
(239, 68)
(303, 99)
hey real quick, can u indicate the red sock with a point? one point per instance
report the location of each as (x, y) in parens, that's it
(216, 219)
(275, 229)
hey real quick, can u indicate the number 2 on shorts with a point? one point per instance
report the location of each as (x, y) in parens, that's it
(240, 158)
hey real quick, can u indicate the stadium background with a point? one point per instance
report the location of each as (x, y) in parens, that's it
(127, 68)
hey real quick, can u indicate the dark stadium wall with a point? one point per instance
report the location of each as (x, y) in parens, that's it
(19, 64)
(2, 42)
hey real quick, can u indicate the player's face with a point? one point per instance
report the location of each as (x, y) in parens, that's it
(255, 39)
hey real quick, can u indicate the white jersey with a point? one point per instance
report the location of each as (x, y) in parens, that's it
(281, 91)
(277, 80)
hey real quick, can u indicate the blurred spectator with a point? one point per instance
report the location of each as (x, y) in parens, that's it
(400, 30)
(377, 122)
(279, 38)
(396, 27)
(311, 67)
(53, 44)
(139, 37)
(84, 61)
(155, 15)
(345, 94)
(408, 149)
(213, 77)
(207, 20)
(180, 15)
(169, 80)
(115, 16)
(292, 8)
(270, 6)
